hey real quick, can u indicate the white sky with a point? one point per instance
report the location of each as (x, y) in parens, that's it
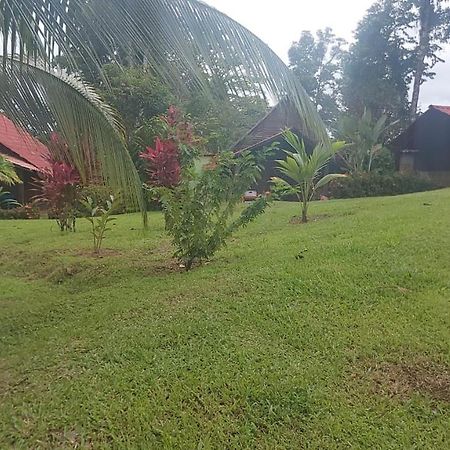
(280, 22)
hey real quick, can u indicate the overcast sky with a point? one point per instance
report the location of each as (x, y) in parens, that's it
(280, 22)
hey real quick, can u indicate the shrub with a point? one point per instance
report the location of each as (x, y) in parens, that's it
(376, 185)
(199, 199)
(26, 212)
(199, 212)
(61, 192)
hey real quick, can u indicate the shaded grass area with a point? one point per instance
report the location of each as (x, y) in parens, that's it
(326, 335)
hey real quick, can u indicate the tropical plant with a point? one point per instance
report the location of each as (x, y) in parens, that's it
(364, 137)
(6, 201)
(200, 211)
(304, 173)
(8, 175)
(60, 190)
(182, 41)
(100, 217)
(199, 196)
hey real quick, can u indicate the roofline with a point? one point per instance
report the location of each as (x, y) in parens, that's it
(254, 127)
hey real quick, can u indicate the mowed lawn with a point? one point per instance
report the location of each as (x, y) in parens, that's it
(329, 335)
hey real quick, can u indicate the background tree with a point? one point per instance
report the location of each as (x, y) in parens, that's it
(378, 67)
(433, 23)
(317, 62)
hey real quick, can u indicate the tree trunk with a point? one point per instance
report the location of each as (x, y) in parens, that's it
(426, 11)
(305, 213)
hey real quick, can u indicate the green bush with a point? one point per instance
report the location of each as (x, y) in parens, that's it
(27, 212)
(376, 185)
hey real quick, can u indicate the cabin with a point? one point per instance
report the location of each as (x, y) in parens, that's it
(29, 157)
(268, 131)
(424, 147)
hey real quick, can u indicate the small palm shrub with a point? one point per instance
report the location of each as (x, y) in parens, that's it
(302, 172)
(200, 198)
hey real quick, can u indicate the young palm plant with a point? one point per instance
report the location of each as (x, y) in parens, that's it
(304, 173)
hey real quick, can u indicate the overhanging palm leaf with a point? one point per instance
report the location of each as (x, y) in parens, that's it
(43, 99)
(178, 39)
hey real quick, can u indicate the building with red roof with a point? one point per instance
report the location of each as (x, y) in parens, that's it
(424, 147)
(28, 155)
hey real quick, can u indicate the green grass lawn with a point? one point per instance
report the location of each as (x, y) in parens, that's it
(331, 335)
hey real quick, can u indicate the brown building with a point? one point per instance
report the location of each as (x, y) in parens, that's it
(424, 148)
(29, 157)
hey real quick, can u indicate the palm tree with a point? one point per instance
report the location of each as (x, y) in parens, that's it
(176, 39)
(304, 172)
(364, 137)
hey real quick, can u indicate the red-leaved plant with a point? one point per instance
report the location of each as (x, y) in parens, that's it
(171, 152)
(163, 161)
(59, 189)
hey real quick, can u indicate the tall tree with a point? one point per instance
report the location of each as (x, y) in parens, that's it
(378, 68)
(317, 61)
(433, 21)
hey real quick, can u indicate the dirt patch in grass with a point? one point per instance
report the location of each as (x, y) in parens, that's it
(297, 220)
(402, 380)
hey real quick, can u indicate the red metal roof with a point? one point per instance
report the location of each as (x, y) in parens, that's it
(22, 144)
(444, 109)
(19, 162)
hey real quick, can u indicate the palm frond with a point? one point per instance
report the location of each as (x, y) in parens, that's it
(180, 40)
(43, 100)
(8, 175)
(328, 179)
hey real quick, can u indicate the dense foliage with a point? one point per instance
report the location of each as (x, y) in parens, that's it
(25, 212)
(377, 185)
(317, 61)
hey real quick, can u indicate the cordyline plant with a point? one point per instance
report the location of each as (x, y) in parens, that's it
(302, 172)
(199, 198)
(60, 192)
